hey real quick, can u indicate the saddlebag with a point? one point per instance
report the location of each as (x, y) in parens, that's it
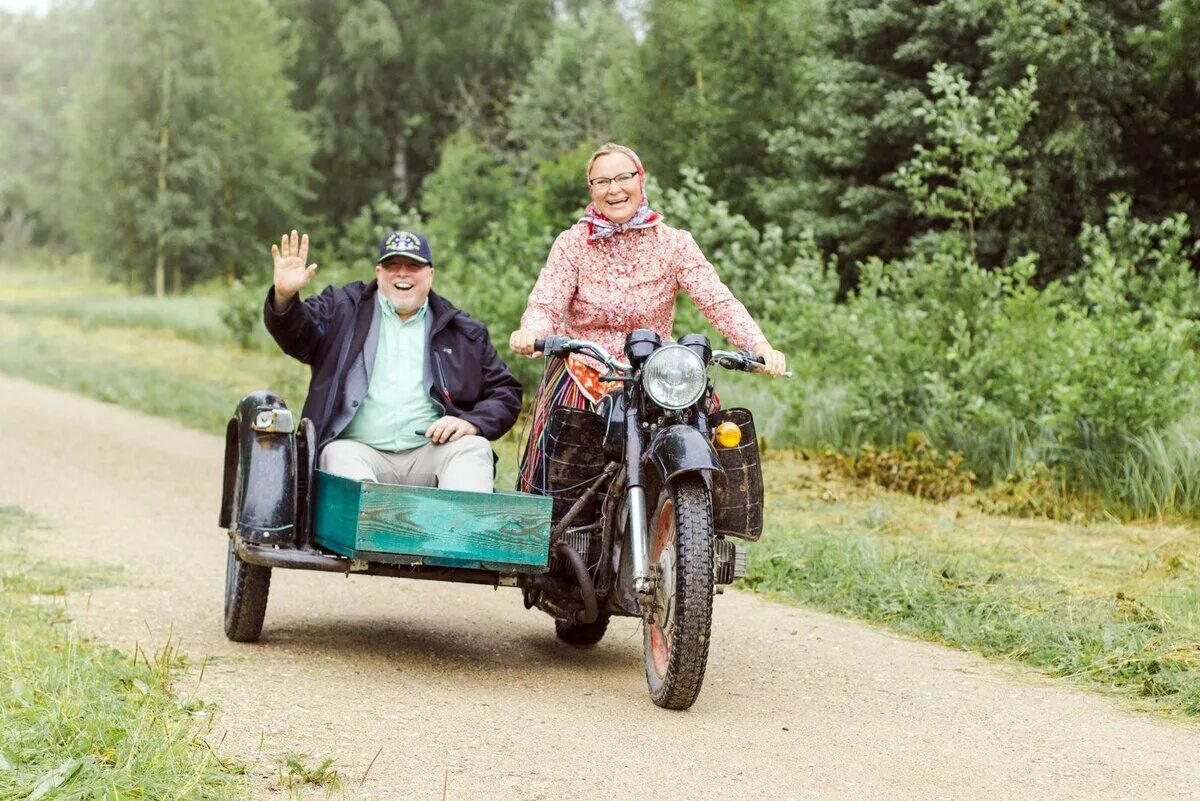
(573, 459)
(738, 500)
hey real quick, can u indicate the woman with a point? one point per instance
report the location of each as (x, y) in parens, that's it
(618, 269)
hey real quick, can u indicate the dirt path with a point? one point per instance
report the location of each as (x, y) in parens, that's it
(461, 685)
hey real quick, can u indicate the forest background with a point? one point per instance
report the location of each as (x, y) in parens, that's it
(968, 223)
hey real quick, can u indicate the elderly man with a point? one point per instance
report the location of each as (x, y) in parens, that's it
(405, 388)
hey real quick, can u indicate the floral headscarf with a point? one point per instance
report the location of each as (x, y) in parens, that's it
(600, 227)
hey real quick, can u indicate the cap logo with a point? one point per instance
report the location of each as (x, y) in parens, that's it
(402, 240)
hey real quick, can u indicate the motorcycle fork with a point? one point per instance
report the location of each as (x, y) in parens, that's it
(635, 503)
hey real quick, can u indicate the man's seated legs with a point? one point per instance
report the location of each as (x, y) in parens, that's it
(465, 464)
(351, 459)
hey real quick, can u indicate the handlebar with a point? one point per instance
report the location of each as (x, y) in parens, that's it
(558, 345)
(744, 360)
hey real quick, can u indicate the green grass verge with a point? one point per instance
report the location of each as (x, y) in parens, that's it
(81, 721)
(1109, 605)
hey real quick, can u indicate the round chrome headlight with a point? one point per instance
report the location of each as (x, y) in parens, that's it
(674, 377)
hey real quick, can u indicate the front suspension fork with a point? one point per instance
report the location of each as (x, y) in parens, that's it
(635, 497)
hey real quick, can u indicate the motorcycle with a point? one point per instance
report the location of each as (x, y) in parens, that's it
(649, 491)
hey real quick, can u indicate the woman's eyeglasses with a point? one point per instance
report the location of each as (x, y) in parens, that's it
(621, 179)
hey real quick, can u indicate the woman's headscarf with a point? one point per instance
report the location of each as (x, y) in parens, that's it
(600, 227)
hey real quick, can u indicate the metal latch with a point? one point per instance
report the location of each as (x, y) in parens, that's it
(276, 421)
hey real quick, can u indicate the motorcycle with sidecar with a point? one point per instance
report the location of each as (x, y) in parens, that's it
(636, 511)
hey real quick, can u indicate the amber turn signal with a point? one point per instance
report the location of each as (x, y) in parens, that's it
(727, 435)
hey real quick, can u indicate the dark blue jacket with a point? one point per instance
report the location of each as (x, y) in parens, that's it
(335, 334)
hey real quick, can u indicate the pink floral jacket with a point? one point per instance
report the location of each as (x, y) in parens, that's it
(604, 290)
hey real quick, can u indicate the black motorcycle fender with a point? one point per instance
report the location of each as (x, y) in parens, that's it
(679, 449)
(259, 493)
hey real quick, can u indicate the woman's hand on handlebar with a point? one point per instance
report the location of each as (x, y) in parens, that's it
(522, 343)
(774, 362)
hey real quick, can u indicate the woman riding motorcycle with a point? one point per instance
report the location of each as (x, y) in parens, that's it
(618, 269)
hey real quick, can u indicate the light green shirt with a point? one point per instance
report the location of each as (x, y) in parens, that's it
(396, 405)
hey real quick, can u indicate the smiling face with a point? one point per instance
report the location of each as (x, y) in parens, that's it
(619, 200)
(404, 282)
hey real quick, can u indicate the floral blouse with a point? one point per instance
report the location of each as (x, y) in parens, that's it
(604, 290)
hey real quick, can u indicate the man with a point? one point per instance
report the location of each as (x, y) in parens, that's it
(405, 388)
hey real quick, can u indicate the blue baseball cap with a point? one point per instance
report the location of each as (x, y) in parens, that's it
(408, 244)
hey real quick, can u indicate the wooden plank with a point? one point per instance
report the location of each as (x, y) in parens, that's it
(504, 531)
(456, 529)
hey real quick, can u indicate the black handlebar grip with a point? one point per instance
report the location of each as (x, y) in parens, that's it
(539, 345)
(751, 356)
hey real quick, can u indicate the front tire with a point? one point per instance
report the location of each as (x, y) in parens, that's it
(582, 634)
(246, 589)
(678, 629)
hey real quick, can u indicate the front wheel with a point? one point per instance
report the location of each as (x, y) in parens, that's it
(680, 621)
(246, 588)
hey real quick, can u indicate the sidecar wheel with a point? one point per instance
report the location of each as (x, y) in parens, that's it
(677, 633)
(581, 634)
(246, 588)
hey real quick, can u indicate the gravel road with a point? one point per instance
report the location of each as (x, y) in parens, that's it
(461, 693)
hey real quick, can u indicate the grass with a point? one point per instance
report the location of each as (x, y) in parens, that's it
(1106, 604)
(1110, 604)
(81, 721)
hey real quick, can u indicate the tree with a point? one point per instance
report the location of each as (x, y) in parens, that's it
(965, 175)
(715, 79)
(577, 86)
(39, 57)
(386, 81)
(184, 160)
(1106, 122)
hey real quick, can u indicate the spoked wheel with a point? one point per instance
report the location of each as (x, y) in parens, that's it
(246, 588)
(582, 633)
(677, 632)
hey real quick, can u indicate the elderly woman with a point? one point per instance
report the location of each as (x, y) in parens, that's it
(618, 269)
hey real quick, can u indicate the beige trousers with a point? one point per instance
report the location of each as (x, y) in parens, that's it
(465, 464)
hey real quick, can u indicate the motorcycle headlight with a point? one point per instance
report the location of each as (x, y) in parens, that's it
(674, 377)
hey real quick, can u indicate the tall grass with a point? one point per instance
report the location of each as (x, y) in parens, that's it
(82, 721)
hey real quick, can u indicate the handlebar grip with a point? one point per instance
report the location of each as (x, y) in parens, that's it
(553, 345)
(751, 356)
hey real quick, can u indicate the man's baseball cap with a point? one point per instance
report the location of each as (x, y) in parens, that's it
(407, 244)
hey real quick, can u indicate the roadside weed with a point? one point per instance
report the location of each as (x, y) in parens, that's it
(79, 720)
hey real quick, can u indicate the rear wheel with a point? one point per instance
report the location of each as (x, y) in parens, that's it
(582, 633)
(246, 588)
(680, 622)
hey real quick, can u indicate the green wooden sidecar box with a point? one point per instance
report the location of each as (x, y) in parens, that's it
(503, 531)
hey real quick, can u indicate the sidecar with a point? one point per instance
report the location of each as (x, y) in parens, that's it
(281, 512)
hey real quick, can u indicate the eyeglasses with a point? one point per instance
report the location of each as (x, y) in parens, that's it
(621, 179)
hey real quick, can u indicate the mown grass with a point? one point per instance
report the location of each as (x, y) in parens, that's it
(1106, 604)
(79, 721)
(1109, 604)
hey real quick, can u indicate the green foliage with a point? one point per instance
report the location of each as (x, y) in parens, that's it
(178, 177)
(1114, 106)
(387, 81)
(715, 79)
(296, 773)
(39, 58)
(241, 313)
(965, 175)
(573, 94)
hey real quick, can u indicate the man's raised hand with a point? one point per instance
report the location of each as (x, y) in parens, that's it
(291, 275)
